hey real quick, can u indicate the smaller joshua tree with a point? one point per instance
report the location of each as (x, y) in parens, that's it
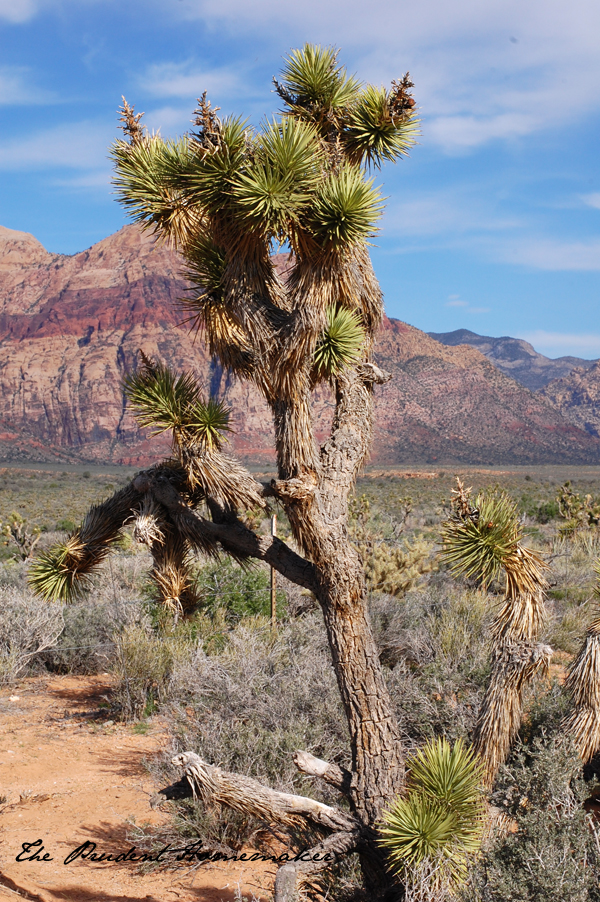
(583, 684)
(481, 541)
(432, 832)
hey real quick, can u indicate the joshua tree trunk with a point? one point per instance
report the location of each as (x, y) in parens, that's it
(318, 512)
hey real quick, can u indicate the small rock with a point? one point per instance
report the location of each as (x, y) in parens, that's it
(14, 698)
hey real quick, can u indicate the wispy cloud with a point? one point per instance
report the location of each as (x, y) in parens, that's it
(465, 307)
(16, 87)
(187, 80)
(17, 11)
(455, 211)
(592, 200)
(484, 71)
(81, 145)
(553, 254)
(561, 344)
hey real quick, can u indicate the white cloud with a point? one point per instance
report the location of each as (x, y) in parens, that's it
(17, 11)
(483, 71)
(456, 304)
(554, 255)
(562, 344)
(461, 209)
(15, 87)
(81, 145)
(592, 200)
(186, 80)
(94, 179)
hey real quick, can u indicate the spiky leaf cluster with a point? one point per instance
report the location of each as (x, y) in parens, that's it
(380, 127)
(315, 88)
(478, 542)
(369, 124)
(340, 342)
(346, 208)
(162, 401)
(55, 574)
(441, 818)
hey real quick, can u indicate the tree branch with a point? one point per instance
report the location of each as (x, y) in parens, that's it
(330, 773)
(344, 453)
(290, 876)
(232, 535)
(250, 797)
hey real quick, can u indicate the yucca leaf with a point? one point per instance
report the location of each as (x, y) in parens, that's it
(160, 399)
(292, 147)
(208, 180)
(313, 82)
(206, 263)
(374, 132)
(149, 178)
(205, 421)
(480, 545)
(345, 209)
(163, 401)
(417, 828)
(451, 774)
(53, 575)
(441, 819)
(340, 343)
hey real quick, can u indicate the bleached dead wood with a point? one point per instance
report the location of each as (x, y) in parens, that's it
(315, 767)
(247, 795)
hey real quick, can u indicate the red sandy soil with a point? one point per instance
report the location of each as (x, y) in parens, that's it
(69, 778)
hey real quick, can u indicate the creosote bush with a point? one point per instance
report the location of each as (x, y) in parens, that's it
(551, 853)
(28, 626)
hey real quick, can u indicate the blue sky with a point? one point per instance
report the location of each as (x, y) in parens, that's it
(492, 224)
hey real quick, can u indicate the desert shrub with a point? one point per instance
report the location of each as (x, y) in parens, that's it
(240, 591)
(551, 855)
(28, 625)
(247, 705)
(577, 513)
(86, 644)
(265, 695)
(436, 643)
(432, 831)
(394, 569)
(144, 663)
(13, 574)
(391, 566)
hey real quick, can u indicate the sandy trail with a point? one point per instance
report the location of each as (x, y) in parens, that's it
(69, 778)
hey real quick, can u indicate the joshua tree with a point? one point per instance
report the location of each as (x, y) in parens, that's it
(226, 195)
(480, 541)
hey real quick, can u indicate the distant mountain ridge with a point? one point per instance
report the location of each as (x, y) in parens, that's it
(515, 357)
(71, 327)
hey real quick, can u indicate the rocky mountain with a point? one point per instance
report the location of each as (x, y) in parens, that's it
(515, 357)
(578, 397)
(70, 328)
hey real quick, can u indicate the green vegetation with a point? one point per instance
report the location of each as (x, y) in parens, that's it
(240, 695)
(431, 833)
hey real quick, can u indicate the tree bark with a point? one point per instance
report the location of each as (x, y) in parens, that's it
(318, 512)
